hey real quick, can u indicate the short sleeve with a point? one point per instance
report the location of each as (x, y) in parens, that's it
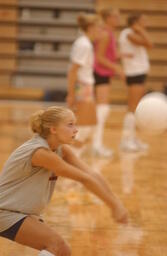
(80, 53)
(38, 143)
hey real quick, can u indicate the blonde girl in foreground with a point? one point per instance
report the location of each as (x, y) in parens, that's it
(28, 178)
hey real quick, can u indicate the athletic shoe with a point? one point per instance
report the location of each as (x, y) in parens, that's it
(129, 146)
(141, 144)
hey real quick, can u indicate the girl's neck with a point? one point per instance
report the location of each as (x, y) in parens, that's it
(89, 36)
(109, 27)
(53, 143)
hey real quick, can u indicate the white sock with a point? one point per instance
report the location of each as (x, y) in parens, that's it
(129, 126)
(102, 113)
(45, 253)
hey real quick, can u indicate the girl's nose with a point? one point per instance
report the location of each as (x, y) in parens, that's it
(76, 130)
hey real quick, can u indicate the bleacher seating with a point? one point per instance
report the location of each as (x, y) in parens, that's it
(36, 38)
(8, 48)
(46, 30)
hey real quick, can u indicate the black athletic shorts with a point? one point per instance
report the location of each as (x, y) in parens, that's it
(140, 79)
(99, 80)
(11, 232)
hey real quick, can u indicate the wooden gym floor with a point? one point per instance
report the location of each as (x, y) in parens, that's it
(139, 179)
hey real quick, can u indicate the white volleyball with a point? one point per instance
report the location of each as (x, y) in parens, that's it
(151, 113)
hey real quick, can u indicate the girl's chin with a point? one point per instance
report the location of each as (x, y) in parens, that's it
(71, 141)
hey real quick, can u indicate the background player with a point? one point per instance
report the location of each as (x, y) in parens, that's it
(135, 41)
(105, 68)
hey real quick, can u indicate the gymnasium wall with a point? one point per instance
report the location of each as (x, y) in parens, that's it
(36, 37)
(8, 41)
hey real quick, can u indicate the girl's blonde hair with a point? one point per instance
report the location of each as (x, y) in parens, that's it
(42, 120)
(86, 19)
(107, 12)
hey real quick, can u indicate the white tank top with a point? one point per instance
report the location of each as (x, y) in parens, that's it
(139, 63)
(24, 189)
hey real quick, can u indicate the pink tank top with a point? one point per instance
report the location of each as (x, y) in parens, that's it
(110, 54)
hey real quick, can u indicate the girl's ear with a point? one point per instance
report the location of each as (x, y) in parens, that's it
(53, 130)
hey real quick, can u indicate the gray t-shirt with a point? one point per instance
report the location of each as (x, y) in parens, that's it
(24, 189)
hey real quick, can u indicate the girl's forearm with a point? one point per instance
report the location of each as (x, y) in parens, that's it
(100, 188)
(104, 183)
(72, 78)
(146, 37)
(71, 83)
(106, 62)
